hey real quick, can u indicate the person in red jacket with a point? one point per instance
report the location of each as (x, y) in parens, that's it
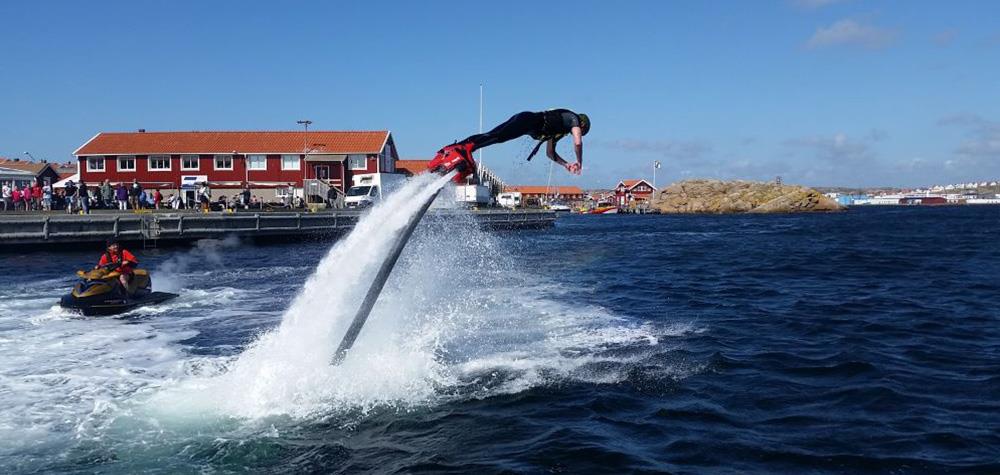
(16, 195)
(36, 196)
(119, 260)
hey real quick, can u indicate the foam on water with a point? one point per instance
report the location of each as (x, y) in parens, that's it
(455, 307)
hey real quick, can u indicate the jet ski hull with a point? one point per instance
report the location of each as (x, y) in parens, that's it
(112, 305)
(99, 293)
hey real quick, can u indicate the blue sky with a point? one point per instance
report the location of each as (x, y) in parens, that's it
(821, 92)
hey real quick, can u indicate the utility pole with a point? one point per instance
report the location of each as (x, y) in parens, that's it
(305, 166)
(480, 118)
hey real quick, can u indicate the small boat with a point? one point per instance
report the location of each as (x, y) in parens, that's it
(605, 210)
(99, 292)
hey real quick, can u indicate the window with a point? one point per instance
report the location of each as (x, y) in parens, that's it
(126, 163)
(159, 162)
(189, 162)
(223, 162)
(388, 165)
(257, 162)
(357, 162)
(95, 164)
(290, 162)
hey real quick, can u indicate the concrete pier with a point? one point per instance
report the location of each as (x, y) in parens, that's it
(41, 230)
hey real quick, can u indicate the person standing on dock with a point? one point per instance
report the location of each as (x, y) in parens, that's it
(47, 197)
(547, 127)
(7, 197)
(70, 193)
(16, 198)
(121, 196)
(133, 194)
(205, 197)
(107, 195)
(36, 196)
(84, 198)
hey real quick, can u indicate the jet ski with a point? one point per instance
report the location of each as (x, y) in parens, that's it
(99, 292)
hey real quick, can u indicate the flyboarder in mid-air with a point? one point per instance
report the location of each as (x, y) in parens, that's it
(546, 127)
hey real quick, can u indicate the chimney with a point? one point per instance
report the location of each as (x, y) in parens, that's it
(142, 131)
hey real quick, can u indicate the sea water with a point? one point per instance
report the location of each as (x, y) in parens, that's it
(857, 342)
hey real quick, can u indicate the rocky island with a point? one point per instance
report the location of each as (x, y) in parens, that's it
(715, 196)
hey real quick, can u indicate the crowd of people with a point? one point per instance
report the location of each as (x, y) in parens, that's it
(81, 197)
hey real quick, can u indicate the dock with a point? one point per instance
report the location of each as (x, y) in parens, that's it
(18, 231)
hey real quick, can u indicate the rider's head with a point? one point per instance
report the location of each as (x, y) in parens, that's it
(112, 245)
(584, 123)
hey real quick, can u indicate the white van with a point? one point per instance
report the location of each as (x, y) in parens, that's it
(368, 188)
(510, 199)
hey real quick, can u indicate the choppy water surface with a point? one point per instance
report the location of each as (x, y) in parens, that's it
(866, 341)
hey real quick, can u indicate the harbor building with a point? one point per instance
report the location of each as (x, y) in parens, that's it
(633, 192)
(22, 172)
(537, 195)
(273, 164)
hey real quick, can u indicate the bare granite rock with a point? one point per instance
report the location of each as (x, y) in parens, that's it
(714, 196)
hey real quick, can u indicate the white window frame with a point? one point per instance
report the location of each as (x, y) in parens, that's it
(97, 159)
(127, 157)
(250, 159)
(197, 162)
(215, 162)
(150, 159)
(351, 162)
(298, 162)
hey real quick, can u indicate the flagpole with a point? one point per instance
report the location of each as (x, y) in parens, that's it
(654, 176)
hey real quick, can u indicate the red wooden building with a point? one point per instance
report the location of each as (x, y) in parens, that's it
(271, 163)
(629, 192)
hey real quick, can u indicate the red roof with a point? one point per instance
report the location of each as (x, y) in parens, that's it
(23, 165)
(629, 184)
(541, 190)
(412, 167)
(142, 143)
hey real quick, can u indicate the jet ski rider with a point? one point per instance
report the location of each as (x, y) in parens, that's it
(118, 260)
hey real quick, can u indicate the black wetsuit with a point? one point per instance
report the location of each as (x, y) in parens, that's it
(550, 124)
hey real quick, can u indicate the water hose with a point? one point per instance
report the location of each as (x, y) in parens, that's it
(379, 283)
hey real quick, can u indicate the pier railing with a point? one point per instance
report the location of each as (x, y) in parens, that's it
(57, 228)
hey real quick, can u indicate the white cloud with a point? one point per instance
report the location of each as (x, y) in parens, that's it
(674, 149)
(982, 144)
(814, 3)
(839, 149)
(851, 32)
